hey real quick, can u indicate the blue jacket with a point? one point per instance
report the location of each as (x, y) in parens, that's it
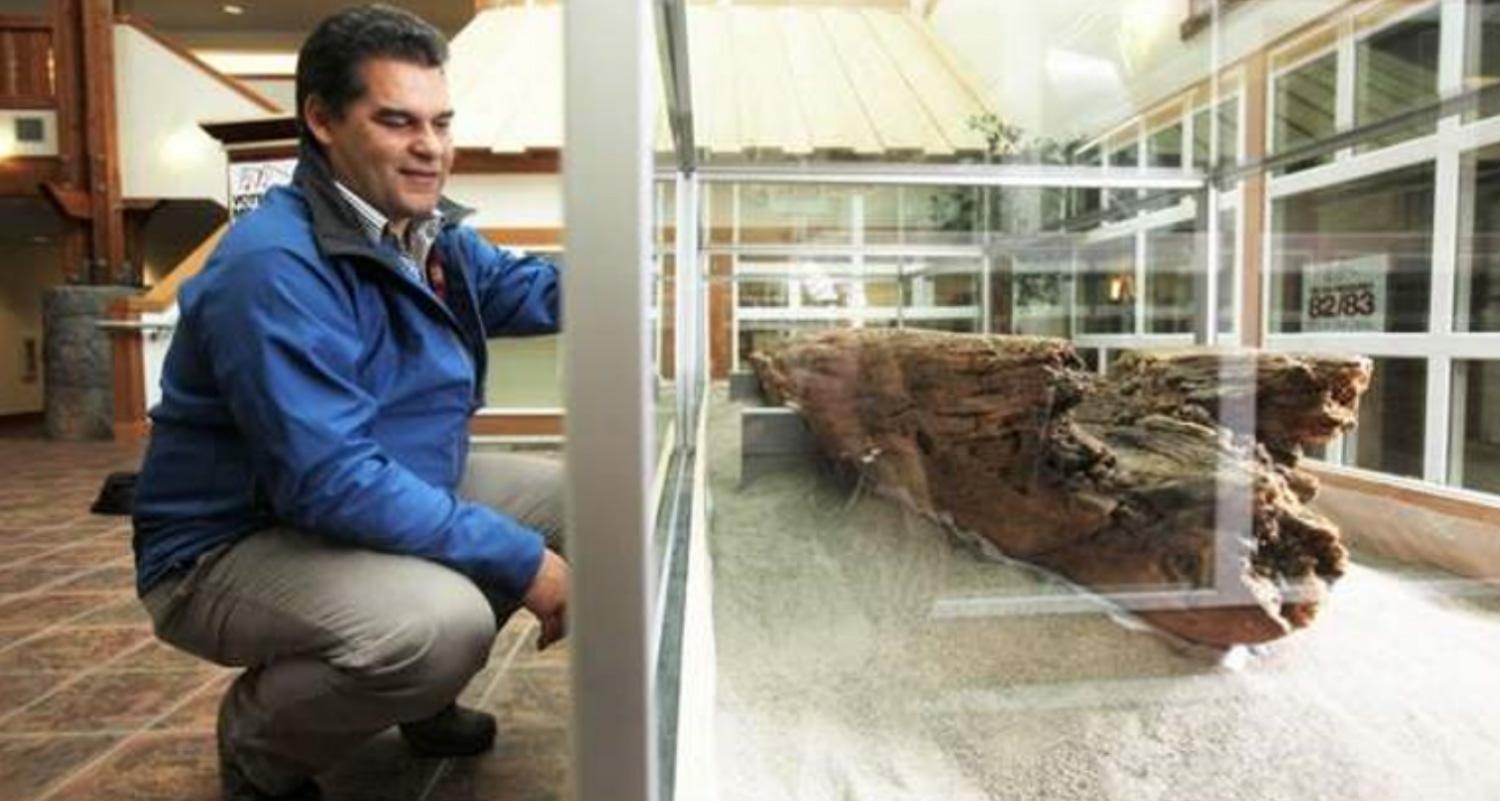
(312, 383)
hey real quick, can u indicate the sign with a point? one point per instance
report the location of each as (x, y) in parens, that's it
(250, 180)
(1347, 295)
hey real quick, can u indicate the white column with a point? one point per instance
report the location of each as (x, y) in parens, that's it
(609, 105)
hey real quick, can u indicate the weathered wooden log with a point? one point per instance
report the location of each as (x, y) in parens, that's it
(1177, 475)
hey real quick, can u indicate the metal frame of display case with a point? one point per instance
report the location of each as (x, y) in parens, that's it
(606, 296)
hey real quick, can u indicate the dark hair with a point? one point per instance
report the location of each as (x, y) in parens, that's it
(328, 64)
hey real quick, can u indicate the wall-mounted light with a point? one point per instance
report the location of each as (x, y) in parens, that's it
(1117, 286)
(233, 9)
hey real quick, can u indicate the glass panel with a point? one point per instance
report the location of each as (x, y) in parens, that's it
(1203, 137)
(1229, 134)
(1087, 201)
(1389, 435)
(1228, 245)
(1171, 256)
(763, 294)
(1355, 257)
(1034, 289)
(1304, 108)
(1396, 71)
(1487, 64)
(1476, 421)
(1106, 287)
(1164, 148)
(1229, 131)
(524, 372)
(828, 591)
(1477, 307)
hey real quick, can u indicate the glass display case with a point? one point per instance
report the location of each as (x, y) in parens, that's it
(1071, 402)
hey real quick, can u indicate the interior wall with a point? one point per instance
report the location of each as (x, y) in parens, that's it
(164, 154)
(1069, 68)
(26, 270)
(175, 230)
(509, 201)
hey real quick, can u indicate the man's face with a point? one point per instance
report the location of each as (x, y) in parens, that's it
(392, 145)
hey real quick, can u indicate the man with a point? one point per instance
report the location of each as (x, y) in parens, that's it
(302, 509)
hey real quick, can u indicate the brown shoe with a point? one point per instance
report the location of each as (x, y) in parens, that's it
(453, 732)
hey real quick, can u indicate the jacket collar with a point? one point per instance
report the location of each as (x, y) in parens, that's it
(336, 226)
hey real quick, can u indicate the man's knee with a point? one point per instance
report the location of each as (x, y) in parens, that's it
(431, 649)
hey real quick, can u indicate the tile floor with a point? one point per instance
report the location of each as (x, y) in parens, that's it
(93, 708)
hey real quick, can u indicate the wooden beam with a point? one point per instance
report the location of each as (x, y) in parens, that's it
(72, 142)
(534, 237)
(516, 425)
(24, 175)
(468, 161)
(73, 204)
(97, 23)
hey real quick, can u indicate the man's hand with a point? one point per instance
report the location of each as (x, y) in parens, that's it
(547, 598)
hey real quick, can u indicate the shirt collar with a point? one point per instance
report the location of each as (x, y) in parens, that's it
(374, 224)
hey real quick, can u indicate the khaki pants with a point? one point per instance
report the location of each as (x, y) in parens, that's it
(340, 642)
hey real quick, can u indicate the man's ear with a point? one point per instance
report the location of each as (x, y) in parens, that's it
(318, 119)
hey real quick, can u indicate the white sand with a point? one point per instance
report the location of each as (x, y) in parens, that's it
(837, 681)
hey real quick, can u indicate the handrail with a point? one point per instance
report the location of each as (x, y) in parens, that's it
(164, 294)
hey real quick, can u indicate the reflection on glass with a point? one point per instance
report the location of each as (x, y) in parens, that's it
(1304, 99)
(1033, 291)
(1389, 435)
(1229, 134)
(1125, 156)
(1477, 307)
(1488, 62)
(1396, 70)
(763, 294)
(1090, 358)
(1355, 257)
(1164, 148)
(1106, 288)
(795, 213)
(1476, 421)
(1087, 200)
(1170, 277)
(1228, 245)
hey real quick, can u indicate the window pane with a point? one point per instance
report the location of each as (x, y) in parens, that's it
(1389, 435)
(1488, 65)
(1165, 147)
(1305, 108)
(1228, 244)
(1229, 131)
(1106, 288)
(1170, 256)
(1478, 303)
(1476, 417)
(755, 294)
(1086, 201)
(1397, 71)
(1034, 290)
(1355, 257)
(1202, 138)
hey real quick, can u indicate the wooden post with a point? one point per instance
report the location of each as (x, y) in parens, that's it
(108, 265)
(1252, 233)
(72, 143)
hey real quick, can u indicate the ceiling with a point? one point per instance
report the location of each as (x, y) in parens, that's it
(179, 16)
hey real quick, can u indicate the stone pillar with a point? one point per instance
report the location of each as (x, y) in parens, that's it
(77, 361)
